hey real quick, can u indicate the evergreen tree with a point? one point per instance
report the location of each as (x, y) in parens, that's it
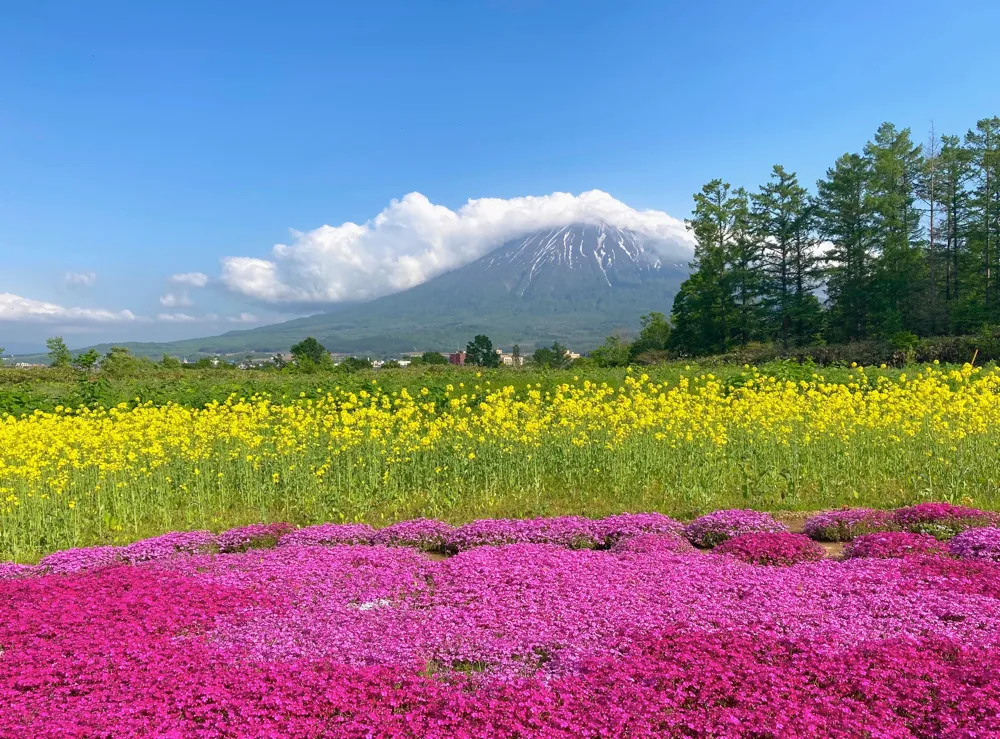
(789, 263)
(844, 219)
(984, 150)
(954, 172)
(704, 305)
(895, 168)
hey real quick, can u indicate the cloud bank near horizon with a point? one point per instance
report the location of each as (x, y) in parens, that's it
(413, 240)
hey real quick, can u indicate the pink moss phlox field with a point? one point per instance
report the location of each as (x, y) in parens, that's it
(422, 533)
(651, 543)
(624, 525)
(513, 642)
(942, 520)
(329, 534)
(254, 536)
(71, 561)
(574, 532)
(977, 544)
(887, 544)
(778, 550)
(846, 524)
(178, 542)
(716, 527)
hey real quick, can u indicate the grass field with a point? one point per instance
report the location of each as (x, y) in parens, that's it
(460, 445)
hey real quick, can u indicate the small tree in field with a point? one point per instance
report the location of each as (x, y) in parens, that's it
(86, 361)
(59, 355)
(309, 349)
(480, 352)
(433, 358)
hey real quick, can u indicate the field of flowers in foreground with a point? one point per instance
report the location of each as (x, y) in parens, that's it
(644, 636)
(81, 476)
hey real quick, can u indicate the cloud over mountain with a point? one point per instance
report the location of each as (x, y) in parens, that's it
(413, 240)
(16, 308)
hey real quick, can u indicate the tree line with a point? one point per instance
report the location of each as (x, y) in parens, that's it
(898, 240)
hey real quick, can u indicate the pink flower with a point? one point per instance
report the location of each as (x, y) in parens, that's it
(781, 549)
(890, 544)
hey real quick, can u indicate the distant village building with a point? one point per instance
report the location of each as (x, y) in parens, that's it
(456, 358)
(509, 360)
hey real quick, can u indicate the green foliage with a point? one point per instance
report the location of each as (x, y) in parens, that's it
(433, 358)
(59, 355)
(309, 350)
(480, 352)
(169, 362)
(85, 361)
(614, 352)
(355, 364)
(654, 335)
(555, 356)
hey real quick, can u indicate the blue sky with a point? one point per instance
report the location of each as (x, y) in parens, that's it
(144, 140)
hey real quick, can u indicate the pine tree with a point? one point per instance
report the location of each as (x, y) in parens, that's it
(789, 264)
(703, 305)
(895, 167)
(844, 218)
(954, 172)
(984, 149)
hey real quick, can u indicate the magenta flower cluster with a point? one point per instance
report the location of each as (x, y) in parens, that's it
(422, 533)
(253, 536)
(942, 520)
(654, 544)
(514, 642)
(891, 544)
(329, 534)
(715, 528)
(85, 559)
(779, 550)
(977, 544)
(846, 524)
(177, 542)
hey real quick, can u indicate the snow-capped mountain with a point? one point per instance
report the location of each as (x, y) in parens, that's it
(546, 260)
(574, 285)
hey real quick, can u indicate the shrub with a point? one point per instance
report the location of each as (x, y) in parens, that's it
(847, 524)
(254, 536)
(423, 533)
(781, 549)
(717, 527)
(892, 545)
(329, 534)
(941, 520)
(653, 544)
(977, 544)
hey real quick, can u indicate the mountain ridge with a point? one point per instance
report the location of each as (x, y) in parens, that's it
(573, 284)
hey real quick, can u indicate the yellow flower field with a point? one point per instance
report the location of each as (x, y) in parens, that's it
(79, 476)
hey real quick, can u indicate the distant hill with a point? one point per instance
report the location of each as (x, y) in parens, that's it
(574, 284)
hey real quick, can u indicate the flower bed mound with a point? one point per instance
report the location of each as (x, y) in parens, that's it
(715, 528)
(778, 550)
(654, 544)
(422, 533)
(892, 544)
(847, 524)
(328, 534)
(981, 544)
(942, 520)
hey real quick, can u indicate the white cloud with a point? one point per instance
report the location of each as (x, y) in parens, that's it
(243, 318)
(16, 308)
(191, 279)
(413, 240)
(173, 300)
(80, 279)
(176, 318)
